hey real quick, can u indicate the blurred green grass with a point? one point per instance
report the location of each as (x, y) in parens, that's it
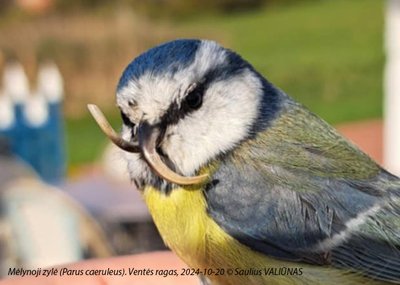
(326, 54)
(85, 141)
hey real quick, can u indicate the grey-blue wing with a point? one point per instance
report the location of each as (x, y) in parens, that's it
(374, 247)
(346, 223)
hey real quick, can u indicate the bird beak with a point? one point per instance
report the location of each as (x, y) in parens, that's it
(109, 131)
(148, 137)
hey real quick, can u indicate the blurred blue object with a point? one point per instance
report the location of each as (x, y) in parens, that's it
(32, 124)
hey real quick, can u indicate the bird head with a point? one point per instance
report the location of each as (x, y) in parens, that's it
(184, 104)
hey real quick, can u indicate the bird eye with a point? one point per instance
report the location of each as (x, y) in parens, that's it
(126, 120)
(194, 99)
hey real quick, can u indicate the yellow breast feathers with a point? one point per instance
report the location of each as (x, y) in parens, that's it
(182, 220)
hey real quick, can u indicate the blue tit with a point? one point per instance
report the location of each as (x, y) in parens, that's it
(241, 178)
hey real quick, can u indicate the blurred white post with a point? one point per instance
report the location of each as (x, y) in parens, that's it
(15, 82)
(392, 88)
(50, 82)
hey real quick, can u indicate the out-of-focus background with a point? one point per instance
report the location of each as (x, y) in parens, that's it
(64, 193)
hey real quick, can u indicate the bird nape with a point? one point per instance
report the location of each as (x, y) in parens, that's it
(238, 176)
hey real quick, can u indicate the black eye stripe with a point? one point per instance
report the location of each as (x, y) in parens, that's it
(190, 103)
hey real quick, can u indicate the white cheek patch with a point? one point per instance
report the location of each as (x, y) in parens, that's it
(228, 111)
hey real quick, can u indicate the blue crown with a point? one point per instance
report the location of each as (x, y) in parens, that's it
(166, 58)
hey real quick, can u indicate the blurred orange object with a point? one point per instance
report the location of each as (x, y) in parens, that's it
(35, 6)
(367, 135)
